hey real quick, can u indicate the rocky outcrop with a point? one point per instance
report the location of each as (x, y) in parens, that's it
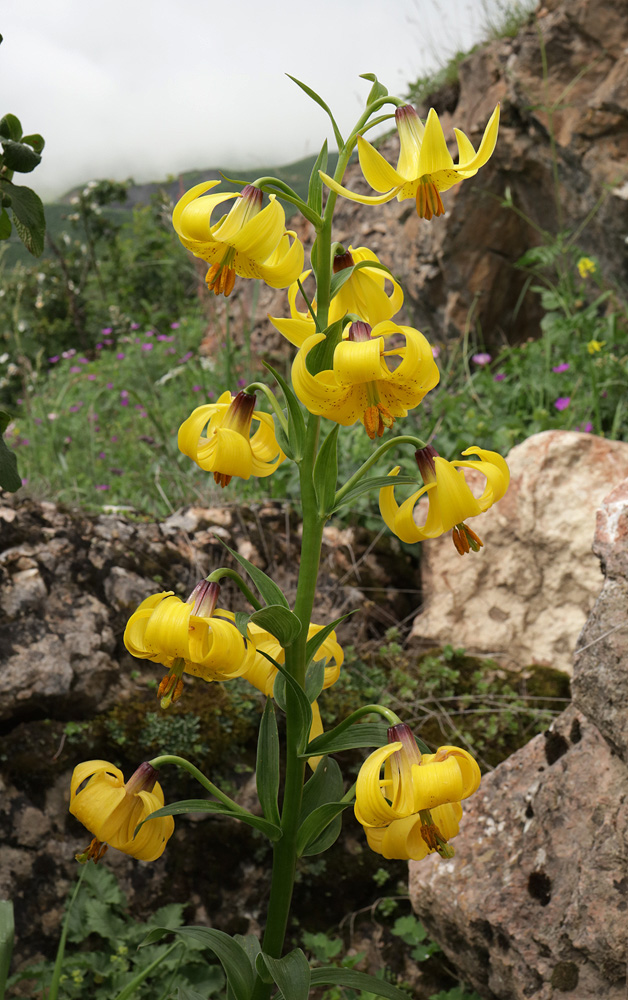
(534, 903)
(460, 269)
(526, 596)
(71, 692)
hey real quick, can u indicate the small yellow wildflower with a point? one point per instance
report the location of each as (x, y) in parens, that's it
(586, 266)
(595, 345)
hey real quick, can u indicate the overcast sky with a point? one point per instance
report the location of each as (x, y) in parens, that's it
(147, 88)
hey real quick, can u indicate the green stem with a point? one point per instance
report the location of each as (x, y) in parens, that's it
(377, 454)
(53, 993)
(224, 571)
(167, 758)
(272, 399)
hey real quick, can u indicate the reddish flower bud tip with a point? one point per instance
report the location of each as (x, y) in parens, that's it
(359, 331)
(342, 261)
(425, 461)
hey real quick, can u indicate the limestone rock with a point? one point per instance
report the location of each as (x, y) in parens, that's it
(526, 595)
(600, 681)
(534, 904)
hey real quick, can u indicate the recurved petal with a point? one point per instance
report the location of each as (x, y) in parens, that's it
(217, 649)
(434, 153)
(371, 808)
(399, 519)
(401, 840)
(378, 171)
(232, 454)
(363, 199)
(455, 500)
(167, 629)
(285, 263)
(191, 217)
(497, 473)
(95, 767)
(191, 429)
(486, 147)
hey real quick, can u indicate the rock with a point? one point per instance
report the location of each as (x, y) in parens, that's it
(600, 681)
(535, 901)
(526, 595)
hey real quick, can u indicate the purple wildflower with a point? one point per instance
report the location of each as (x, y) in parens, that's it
(562, 402)
(499, 377)
(106, 330)
(74, 369)
(147, 347)
(175, 326)
(102, 486)
(482, 358)
(120, 356)
(562, 367)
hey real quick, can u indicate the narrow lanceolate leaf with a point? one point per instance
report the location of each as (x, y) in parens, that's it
(332, 975)
(279, 621)
(313, 644)
(321, 357)
(291, 973)
(267, 588)
(375, 483)
(321, 829)
(315, 188)
(326, 472)
(342, 276)
(217, 809)
(321, 103)
(303, 707)
(296, 421)
(314, 679)
(324, 786)
(232, 957)
(377, 90)
(357, 734)
(7, 927)
(267, 768)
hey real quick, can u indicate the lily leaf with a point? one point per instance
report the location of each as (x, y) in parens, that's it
(326, 472)
(321, 103)
(340, 277)
(218, 809)
(232, 957)
(332, 975)
(303, 706)
(374, 483)
(267, 588)
(313, 644)
(342, 737)
(315, 188)
(291, 973)
(7, 927)
(296, 421)
(267, 767)
(314, 678)
(321, 829)
(279, 621)
(377, 90)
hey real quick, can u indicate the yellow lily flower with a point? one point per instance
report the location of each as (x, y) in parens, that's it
(403, 838)
(262, 674)
(412, 781)
(250, 241)
(111, 809)
(190, 636)
(451, 501)
(425, 166)
(415, 808)
(228, 449)
(363, 294)
(361, 385)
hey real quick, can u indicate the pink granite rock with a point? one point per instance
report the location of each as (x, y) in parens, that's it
(526, 596)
